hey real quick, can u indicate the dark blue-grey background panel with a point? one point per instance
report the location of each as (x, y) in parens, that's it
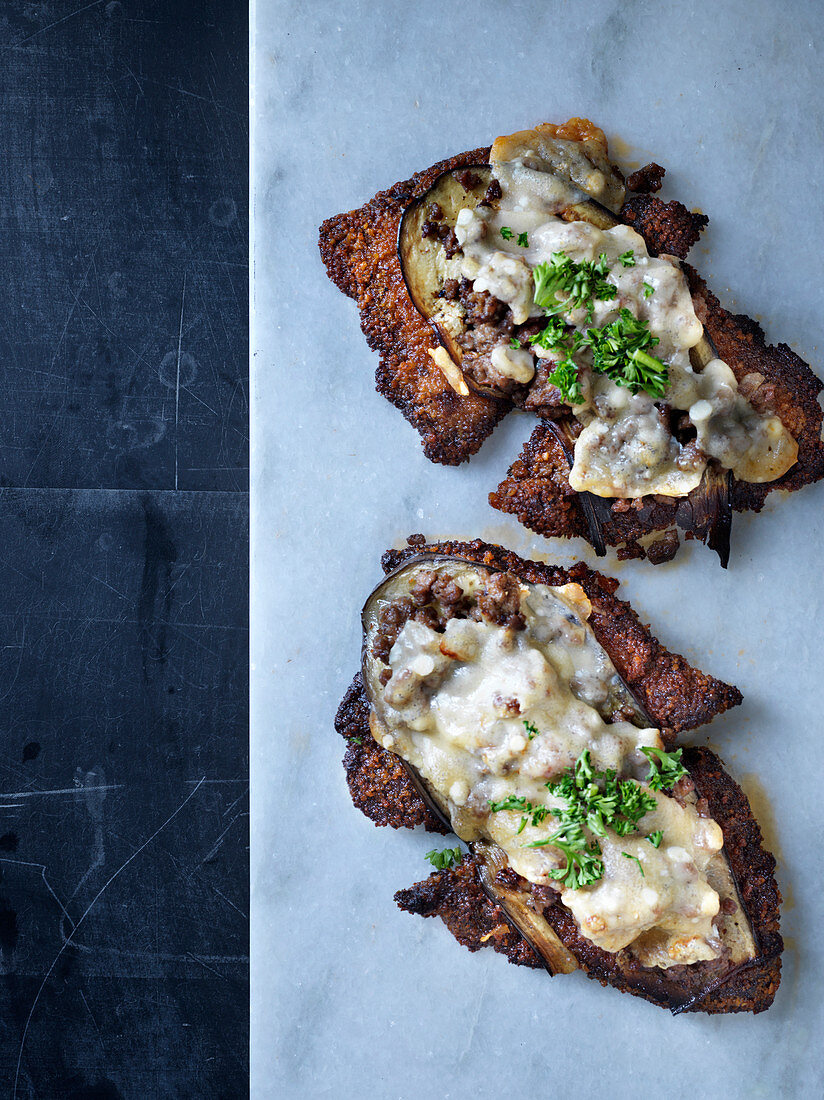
(123, 794)
(123, 244)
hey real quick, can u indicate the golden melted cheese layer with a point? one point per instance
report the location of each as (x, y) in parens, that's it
(626, 448)
(456, 707)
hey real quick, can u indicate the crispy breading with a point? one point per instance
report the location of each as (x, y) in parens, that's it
(361, 257)
(457, 898)
(536, 488)
(772, 376)
(360, 253)
(377, 782)
(647, 179)
(666, 227)
(678, 697)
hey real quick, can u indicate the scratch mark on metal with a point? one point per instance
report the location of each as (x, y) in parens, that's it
(63, 790)
(217, 844)
(42, 869)
(57, 22)
(230, 902)
(177, 379)
(86, 912)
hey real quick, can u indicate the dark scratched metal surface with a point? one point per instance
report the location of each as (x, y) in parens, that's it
(123, 549)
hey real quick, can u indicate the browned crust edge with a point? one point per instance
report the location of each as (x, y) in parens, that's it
(359, 250)
(457, 898)
(676, 695)
(536, 488)
(360, 254)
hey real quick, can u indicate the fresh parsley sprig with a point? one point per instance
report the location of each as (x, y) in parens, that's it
(665, 768)
(442, 861)
(518, 803)
(626, 855)
(594, 800)
(619, 350)
(579, 284)
(531, 729)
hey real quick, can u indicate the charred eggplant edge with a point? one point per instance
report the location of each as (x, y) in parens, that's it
(535, 928)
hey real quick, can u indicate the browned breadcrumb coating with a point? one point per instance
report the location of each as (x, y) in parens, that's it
(457, 897)
(771, 376)
(676, 696)
(359, 250)
(666, 227)
(536, 488)
(646, 179)
(377, 782)
(360, 253)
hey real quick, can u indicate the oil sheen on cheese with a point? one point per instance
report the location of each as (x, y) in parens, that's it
(626, 447)
(456, 708)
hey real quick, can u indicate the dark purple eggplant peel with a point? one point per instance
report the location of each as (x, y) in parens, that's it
(389, 255)
(706, 513)
(746, 976)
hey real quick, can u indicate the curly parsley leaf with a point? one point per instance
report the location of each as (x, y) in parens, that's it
(628, 258)
(626, 855)
(649, 290)
(523, 240)
(531, 729)
(506, 233)
(656, 838)
(579, 284)
(665, 768)
(449, 857)
(620, 351)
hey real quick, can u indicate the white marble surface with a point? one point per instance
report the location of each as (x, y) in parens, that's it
(351, 997)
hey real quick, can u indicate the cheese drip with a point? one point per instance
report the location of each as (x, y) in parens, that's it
(626, 448)
(460, 706)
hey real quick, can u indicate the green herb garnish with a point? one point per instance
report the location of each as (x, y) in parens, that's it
(517, 803)
(649, 290)
(523, 240)
(620, 352)
(531, 729)
(449, 857)
(628, 258)
(626, 855)
(507, 233)
(578, 283)
(665, 768)
(514, 342)
(656, 838)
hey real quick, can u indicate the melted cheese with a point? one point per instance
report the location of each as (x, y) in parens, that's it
(624, 450)
(455, 708)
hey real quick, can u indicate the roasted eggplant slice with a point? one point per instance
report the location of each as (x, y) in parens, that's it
(458, 599)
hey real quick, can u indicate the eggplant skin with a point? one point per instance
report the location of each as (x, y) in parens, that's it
(670, 689)
(676, 696)
(536, 488)
(457, 898)
(359, 250)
